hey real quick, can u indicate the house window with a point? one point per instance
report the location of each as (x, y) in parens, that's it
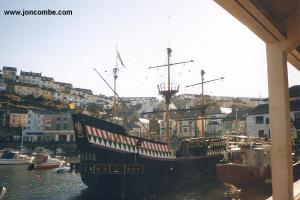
(267, 120)
(72, 138)
(298, 135)
(62, 138)
(297, 117)
(259, 119)
(184, 130)
(261, 133)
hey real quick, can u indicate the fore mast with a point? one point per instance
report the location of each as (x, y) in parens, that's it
(116, 71)
(114, 114)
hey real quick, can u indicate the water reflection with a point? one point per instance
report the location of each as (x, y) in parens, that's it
(22, 184)
(207, 189)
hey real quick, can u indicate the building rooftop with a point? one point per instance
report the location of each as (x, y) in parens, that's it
(44, 78)
(213, 123)
(264, 108)
(218, 110)
(84, 90)
(240, 114)
(10, 68)
(30, 74)
(64, 84)
(143, 120)
(294, 91)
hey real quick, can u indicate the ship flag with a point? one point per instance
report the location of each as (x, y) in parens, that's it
(119, 58)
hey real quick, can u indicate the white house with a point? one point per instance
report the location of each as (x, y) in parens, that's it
(186, 128)
(235, 122)
(258, 118)
(46, 82)
(9, 73)
(30, 78)
(2, 85)
(213, 122)
(35, 126)
(62, 87)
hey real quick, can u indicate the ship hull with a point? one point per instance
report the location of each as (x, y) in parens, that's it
(126, 163)
(239, 174)
(47, 166)
(15, 161)
(242, 175)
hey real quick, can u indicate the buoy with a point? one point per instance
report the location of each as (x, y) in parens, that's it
(37, 177)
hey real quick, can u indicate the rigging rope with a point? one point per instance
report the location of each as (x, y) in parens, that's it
(121, 100)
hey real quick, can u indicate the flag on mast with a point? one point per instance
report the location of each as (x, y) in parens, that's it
(119, 58)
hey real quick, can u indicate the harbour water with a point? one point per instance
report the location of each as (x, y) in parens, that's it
(22, 184)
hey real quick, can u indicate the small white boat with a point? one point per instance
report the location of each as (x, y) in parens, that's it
(14, 158)
(42, 160)
(62, 169)
(2, 192)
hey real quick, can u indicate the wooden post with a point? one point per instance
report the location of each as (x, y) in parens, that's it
(279, 106)
(281, 144)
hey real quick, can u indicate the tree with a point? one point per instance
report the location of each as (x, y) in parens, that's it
(94, 108)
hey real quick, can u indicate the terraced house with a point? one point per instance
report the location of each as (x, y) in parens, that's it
(30, 78)
(9, 73)
(46, 82)
(18, 119)
(27, 89)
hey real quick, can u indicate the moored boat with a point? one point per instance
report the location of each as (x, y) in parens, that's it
(248, 163)
(2, 192)
(14, 158)
(62, 169)
(42, 160)
(113, 160)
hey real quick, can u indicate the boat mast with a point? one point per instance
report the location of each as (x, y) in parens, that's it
(167, 92)
(115, 70)
(168, 95)
(22, 139)
(202, 98)
(120, 100)
(202, 103)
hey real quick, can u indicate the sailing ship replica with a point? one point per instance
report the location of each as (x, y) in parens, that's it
(112, 160)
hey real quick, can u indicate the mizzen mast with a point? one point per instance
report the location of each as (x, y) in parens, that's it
(202, 98)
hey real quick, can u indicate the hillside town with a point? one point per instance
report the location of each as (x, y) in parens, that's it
(39, 108)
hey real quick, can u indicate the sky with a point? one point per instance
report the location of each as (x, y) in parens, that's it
(67, 48)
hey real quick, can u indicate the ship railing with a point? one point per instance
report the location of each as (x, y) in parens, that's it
(121, 169)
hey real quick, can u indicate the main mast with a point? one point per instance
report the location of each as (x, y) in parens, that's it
(167, 91)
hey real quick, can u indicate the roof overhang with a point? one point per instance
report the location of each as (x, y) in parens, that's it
(267, 19)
